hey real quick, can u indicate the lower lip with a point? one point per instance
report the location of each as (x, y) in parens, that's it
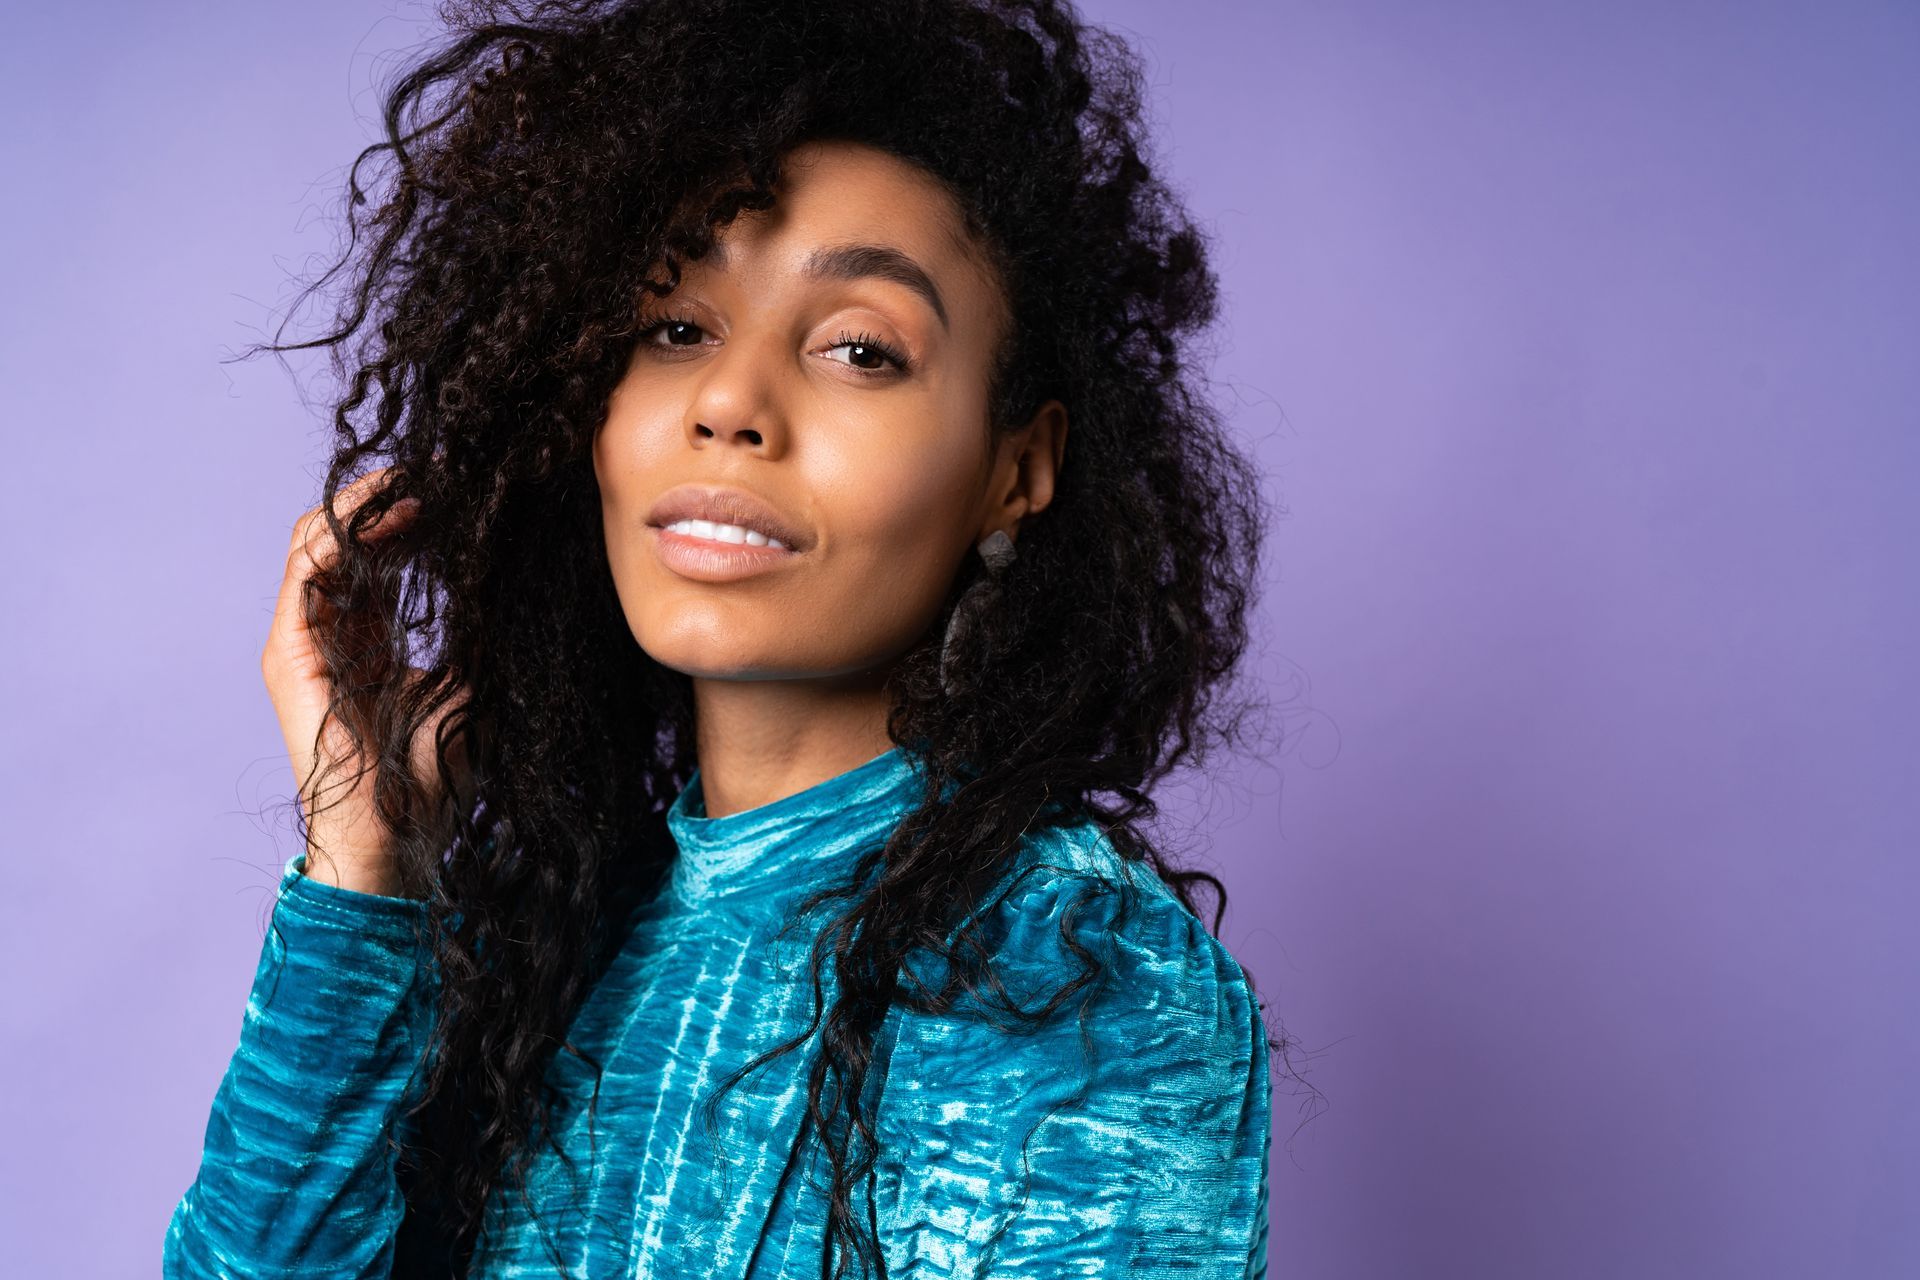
(706, 560)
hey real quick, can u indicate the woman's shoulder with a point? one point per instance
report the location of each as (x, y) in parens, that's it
(1071, 899)
(1158, 1066)
(1136, 1112)
(1072, 882)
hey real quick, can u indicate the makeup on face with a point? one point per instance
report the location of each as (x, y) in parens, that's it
(781, 492)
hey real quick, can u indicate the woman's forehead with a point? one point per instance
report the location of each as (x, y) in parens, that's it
(839, 193)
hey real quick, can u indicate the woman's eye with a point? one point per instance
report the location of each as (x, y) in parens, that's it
(677, 332)
(868, 353)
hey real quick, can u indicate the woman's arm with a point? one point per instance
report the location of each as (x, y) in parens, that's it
(297, 1174)
(1145, 1142)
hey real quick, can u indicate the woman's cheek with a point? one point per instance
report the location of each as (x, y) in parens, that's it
(890, 592)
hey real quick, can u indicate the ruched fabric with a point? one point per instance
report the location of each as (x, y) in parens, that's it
(1127, 1135)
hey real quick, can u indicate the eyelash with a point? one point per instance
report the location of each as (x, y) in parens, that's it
(887, 350)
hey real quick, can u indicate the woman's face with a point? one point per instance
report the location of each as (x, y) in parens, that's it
(773, 375)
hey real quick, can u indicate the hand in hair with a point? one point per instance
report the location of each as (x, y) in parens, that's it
(316, 648)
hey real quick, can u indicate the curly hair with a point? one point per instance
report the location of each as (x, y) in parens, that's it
(542, 159)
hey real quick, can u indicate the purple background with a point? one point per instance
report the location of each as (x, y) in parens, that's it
(1577, 339)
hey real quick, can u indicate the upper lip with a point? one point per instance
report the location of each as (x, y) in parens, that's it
(726, 506)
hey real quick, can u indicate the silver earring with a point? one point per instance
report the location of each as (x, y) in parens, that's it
(998, 552)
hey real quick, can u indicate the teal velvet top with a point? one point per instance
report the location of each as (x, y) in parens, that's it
(1138, 1150)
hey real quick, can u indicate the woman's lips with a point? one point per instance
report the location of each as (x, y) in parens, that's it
(709, 560)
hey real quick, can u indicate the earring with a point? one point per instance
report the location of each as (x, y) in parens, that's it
(997, 550)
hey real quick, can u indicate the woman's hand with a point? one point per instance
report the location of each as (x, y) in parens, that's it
(348, 844)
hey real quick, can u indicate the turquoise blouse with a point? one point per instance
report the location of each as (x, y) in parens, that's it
(1145, 1145)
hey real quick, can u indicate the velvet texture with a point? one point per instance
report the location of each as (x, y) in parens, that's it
(1129, 1137)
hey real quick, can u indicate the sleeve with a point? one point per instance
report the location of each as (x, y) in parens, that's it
(297, 1176)
(1135, 1146)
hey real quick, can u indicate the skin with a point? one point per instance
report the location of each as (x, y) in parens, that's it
(347, 844)
(895, 475)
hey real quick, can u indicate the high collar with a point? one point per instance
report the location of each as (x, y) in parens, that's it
(791, 843)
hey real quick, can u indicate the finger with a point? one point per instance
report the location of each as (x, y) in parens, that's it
(356, 493)
(360, 490)
(313, 547)
(287, 637)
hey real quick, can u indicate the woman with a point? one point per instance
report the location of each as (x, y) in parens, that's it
(725, 714)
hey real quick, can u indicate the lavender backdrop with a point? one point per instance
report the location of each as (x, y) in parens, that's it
(1579, 342)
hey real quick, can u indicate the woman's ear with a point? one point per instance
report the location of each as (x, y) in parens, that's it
(1026, 468)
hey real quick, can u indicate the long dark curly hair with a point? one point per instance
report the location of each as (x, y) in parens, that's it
(534, 166)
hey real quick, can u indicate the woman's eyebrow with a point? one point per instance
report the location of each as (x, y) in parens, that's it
(861, 261)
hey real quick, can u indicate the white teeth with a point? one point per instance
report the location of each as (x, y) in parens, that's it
(726, 533)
